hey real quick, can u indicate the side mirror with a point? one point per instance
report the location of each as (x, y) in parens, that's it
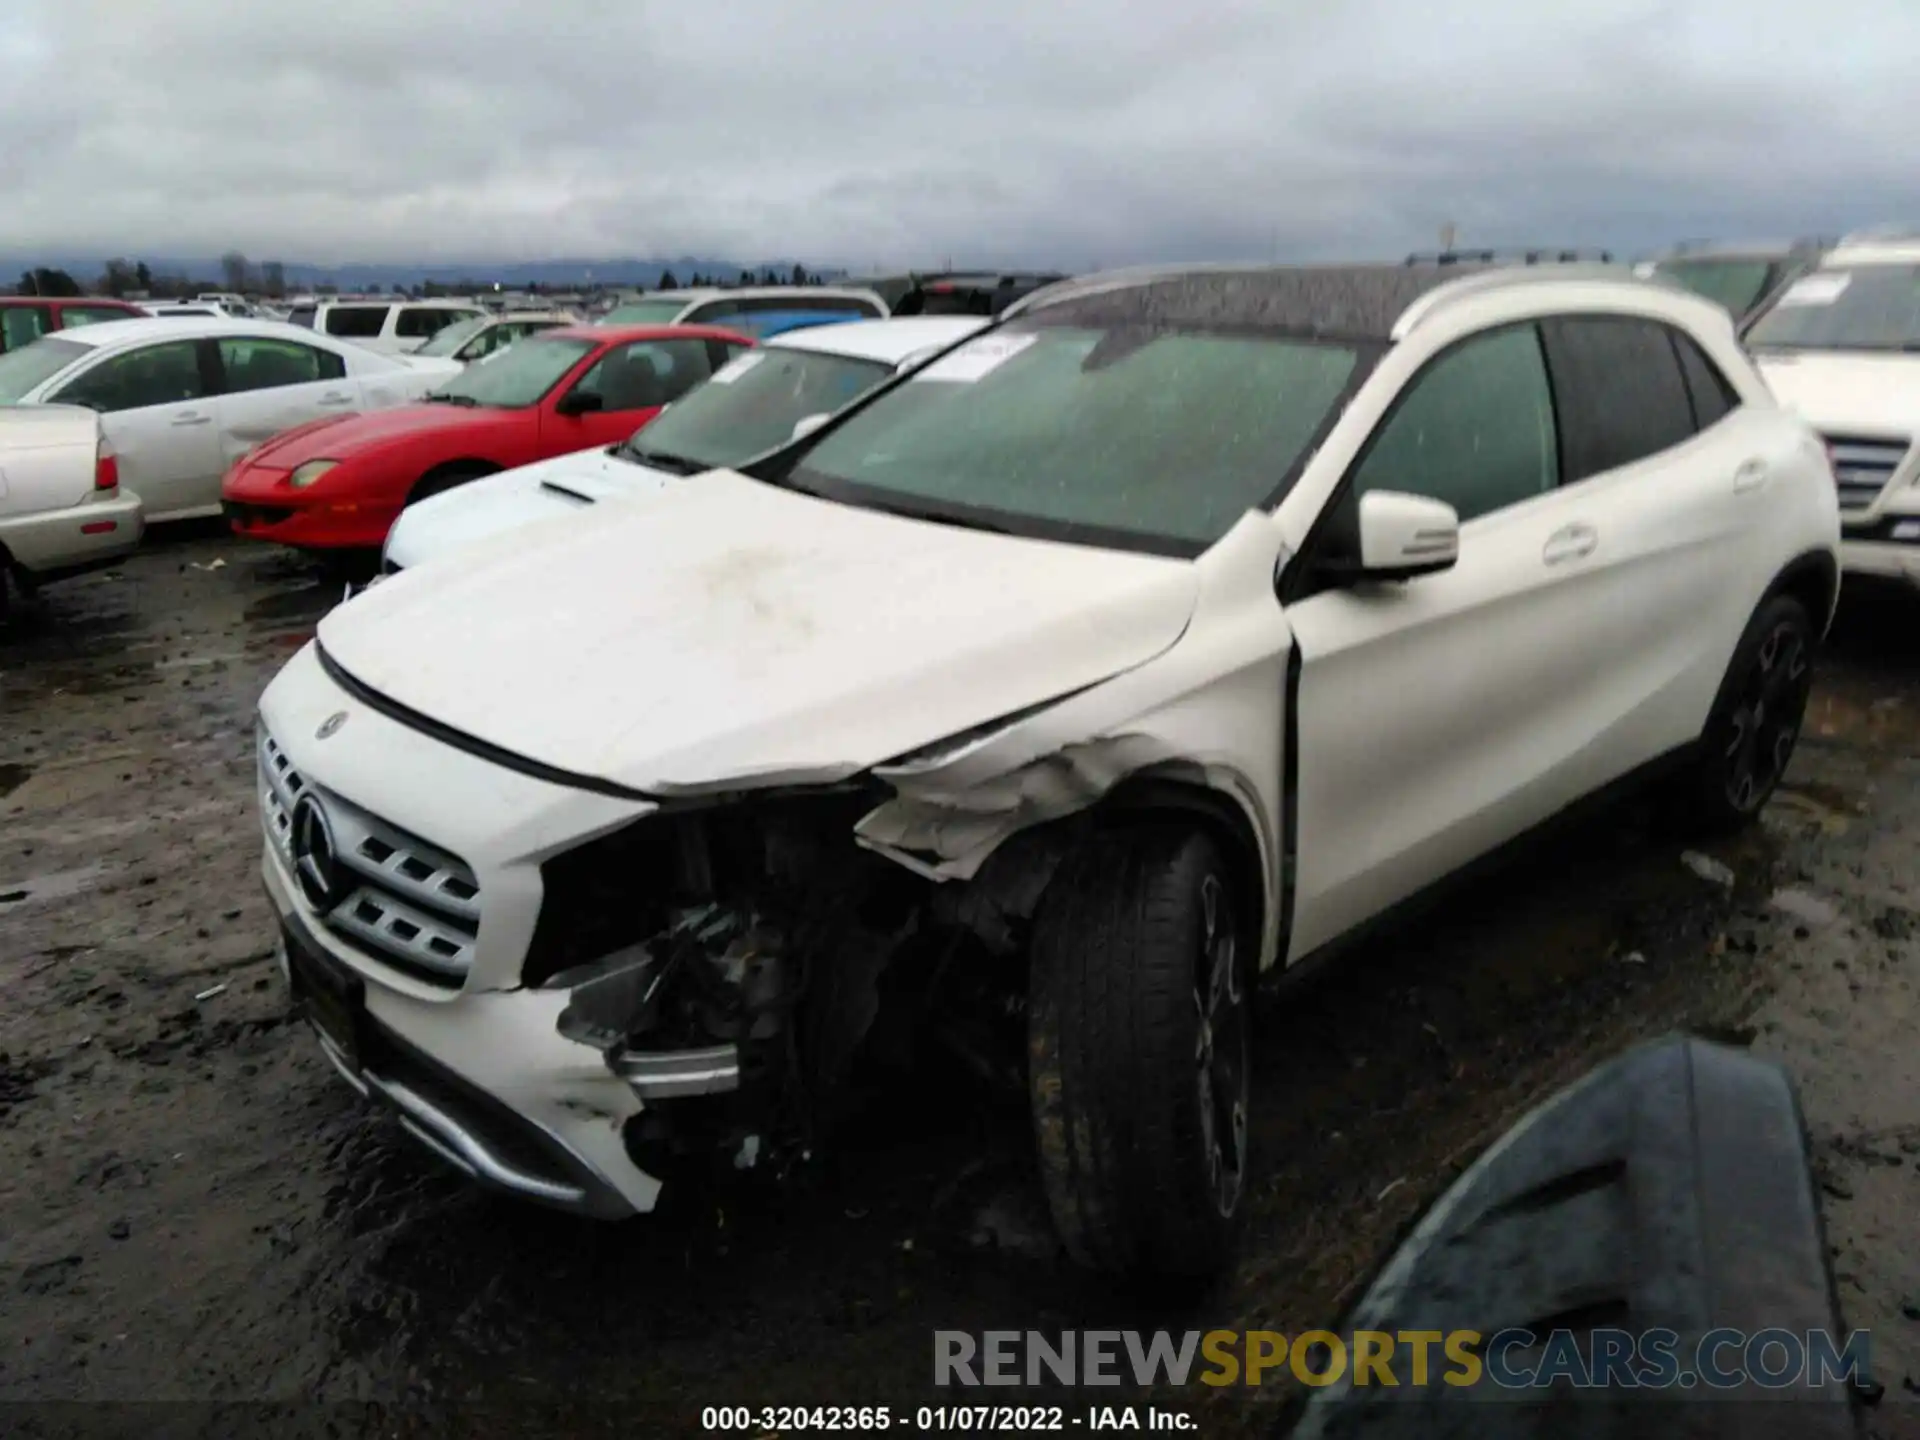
(1403, 536)
(806, 425)
(579, 402)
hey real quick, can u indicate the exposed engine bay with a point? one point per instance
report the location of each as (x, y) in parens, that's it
(752, 964)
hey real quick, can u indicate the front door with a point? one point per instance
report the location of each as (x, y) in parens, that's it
(634, 382)
(1433, 714)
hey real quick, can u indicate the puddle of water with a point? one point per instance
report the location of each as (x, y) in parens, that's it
(55, 885)
(309, 602)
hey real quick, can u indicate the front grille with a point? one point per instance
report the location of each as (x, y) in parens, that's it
(1862, 468)
(248, 516)
(407, 903)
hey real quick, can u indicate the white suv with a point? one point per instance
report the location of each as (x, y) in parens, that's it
(1161, 634)
(1842, 347)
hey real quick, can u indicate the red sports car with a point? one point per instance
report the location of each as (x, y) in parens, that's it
(339, 483)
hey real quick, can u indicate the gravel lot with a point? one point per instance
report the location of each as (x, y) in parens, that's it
(193, 1208)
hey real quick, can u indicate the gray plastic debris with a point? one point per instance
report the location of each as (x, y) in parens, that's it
(1707, 868)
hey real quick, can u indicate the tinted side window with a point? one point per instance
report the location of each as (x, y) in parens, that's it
(1475, 429)
(153, 375)
(420, 324)
(1712, 395)
(22, 325)
(647, 373)
(1620, 391)
(261, 364)
(72, 315)
(356, 322)
(301, 315)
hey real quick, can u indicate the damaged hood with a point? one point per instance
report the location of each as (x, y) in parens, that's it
(728, 632)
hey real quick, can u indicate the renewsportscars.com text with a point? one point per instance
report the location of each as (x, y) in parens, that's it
(1506, 1360)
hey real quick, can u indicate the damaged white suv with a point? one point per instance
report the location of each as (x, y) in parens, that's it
(1163, 633)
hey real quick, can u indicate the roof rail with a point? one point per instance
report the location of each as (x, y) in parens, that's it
(1532, 255)
(1101, 281)
(1505, 276)
(1881, 234)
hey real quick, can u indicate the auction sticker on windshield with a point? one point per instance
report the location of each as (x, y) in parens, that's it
(977, 358)
(1815, 290)
(737, 367)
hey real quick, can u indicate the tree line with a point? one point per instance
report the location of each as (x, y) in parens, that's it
(121, 278)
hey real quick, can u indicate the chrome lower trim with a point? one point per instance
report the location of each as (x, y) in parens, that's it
(452, 1142)
(671, 1074)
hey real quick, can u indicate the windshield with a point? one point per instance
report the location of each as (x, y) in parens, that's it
(32, 365)
(517, 376)
(1168, 436)
(751, 405)
(1736, 284)
(1862, 307)
(452, 337)
(645, 312)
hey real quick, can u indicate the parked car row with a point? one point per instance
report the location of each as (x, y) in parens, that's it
(1026, 699)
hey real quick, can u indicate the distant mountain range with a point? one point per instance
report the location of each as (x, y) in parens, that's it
(302, 275)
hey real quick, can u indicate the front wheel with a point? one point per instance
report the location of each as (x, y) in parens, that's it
(1138, 1050)
(1756, 718)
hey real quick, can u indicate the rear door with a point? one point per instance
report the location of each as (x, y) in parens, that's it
(268, 384)
(1668, 474)
(634, 382)
(158, 407)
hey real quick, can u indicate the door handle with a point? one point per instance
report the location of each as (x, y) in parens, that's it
(1570, 542)
(335, 398)
(1751, 475)
(191, 418)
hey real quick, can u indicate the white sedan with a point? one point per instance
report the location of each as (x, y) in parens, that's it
(181, 402)
(62, 511)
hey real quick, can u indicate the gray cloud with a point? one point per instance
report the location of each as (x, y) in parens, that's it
(1072, 132)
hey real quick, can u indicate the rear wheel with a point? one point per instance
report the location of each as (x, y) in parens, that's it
(1756, 719)
(1139, 1046)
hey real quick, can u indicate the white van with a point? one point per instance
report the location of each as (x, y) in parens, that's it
(390, 326)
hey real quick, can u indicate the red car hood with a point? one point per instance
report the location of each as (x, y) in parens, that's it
(341, 437)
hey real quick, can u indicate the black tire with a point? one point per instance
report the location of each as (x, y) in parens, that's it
(1756, 718)
(1670, 1189)
(1140, 1109)
(447, 477)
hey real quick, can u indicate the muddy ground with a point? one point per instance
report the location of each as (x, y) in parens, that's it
(193, 1208)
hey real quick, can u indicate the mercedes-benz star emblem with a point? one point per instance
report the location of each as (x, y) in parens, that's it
(331, 725)
(316, 865)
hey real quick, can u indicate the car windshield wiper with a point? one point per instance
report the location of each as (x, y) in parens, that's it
(438, 398)
(660, 459)
(908, 511)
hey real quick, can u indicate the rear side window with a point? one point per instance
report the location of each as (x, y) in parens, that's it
(418, 324)
(72, 315)
(1620, 393)
(257, 363)
(1475, 429)
(356, 322)
(301, 315)
(1713, 397)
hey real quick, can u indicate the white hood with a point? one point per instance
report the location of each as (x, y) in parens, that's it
(1848, 394)
(474, 511)
(729, 632)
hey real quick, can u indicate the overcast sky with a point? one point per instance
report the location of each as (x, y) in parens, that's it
(1066, 132)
